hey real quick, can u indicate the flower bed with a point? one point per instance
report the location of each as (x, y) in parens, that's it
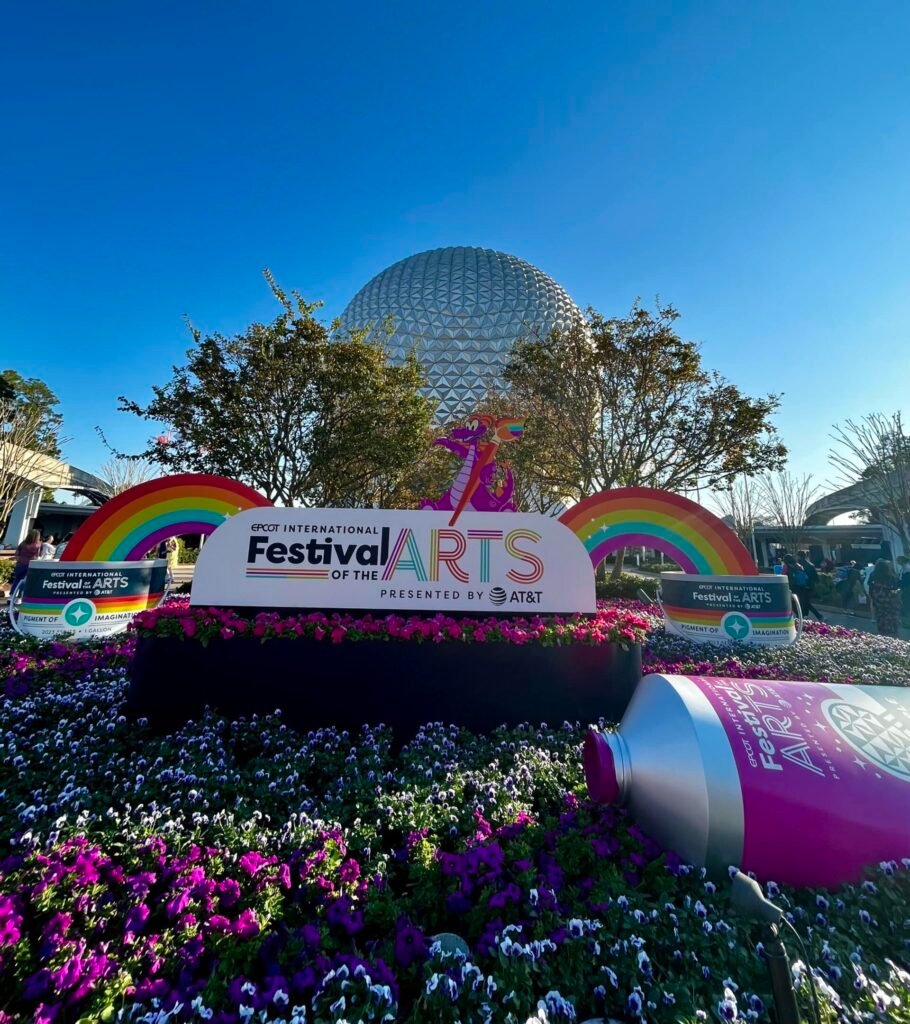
(624, 625)
(239, 870)
(345, 670)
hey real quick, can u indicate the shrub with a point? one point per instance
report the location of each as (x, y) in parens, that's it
(665, 566)
(825, 592)
(7, 568)
(627, 586)
(186, 555)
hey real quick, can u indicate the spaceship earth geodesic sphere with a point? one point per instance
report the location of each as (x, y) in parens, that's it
(459, 309)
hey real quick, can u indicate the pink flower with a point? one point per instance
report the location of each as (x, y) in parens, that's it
(350, 871)
(178, 904)
(252, 862)
(246, 925)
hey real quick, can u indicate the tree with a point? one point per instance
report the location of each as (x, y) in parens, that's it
(785, 499)
(20, 393)
(874, 456)
(305, 418)
(122, 474)
(626, 401)
(29, 430)
(527, 456)
(21, 458)
(740, 505)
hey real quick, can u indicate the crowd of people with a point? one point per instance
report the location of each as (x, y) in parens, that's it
(879, 585)
(36, 547)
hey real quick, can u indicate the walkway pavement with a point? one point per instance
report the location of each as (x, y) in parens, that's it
(852, 620)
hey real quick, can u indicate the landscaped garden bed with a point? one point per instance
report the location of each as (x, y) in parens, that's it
(237, 869)
(343, 670)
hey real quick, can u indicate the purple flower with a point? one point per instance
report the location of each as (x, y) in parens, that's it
(228, 892)
(340, 914)
(350, 871)
(726, 1008)
(85, 871)
(451, 864)
(510, 894)
(178, 904)
(45, 1014)
(135, 919)
(635, 1004)
(410, 945)
(246, 925)
(36, 985)
(457, 903)
(252, 862)
(10, 921)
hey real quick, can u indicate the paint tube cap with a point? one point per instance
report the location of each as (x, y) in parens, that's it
(600, 768)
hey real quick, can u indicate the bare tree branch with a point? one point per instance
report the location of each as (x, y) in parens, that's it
(21, 461)
(873, 455)
(122, 474)
(740, 504)
(784, 500)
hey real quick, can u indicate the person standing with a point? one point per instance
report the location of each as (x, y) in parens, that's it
(851, 586)
(884, 590)
(903, 568)
(47, 548)
(801, 573)
(170, 550)
(27, 551)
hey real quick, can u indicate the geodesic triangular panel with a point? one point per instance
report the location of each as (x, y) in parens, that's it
(461, 309)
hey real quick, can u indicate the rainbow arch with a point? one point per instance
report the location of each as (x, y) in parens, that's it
(136, 521)
(645, 517)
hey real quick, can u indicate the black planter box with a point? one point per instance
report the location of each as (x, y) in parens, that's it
(404, 685)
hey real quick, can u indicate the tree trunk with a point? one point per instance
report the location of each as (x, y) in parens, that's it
(617, 568)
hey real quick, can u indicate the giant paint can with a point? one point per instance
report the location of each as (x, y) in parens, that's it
(721, 609)
(803, 783)
(86, 600)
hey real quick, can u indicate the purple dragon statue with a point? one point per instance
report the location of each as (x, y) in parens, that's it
(474, 486)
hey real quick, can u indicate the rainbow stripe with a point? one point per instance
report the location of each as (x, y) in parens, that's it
(287, 574)
(104, 605)
(509, 429)
(714, 617)
(137, 520)
(645, 517)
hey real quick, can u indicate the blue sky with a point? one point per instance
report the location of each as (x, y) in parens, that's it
(746, 162)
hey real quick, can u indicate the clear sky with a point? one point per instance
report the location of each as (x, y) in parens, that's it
(748, 162)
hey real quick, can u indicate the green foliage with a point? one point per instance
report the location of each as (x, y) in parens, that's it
(186, 555)
(825, 592)
(33, 395)
(666, 566)
(305, 418)
(7, 568)
(627, 585)
(626, 401)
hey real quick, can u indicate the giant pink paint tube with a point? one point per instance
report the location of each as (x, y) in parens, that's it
(804, 783)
